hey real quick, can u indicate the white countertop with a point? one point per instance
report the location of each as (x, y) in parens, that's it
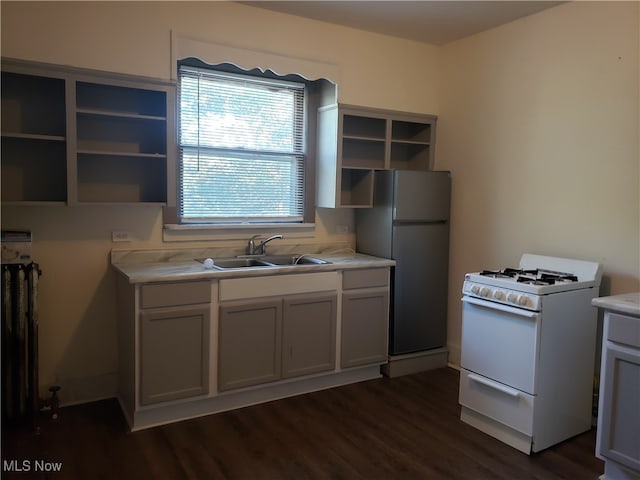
(628, 303)
(191, 269)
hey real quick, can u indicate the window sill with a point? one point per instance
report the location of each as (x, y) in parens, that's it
(199, 232)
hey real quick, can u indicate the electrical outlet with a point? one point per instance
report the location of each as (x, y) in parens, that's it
(342, 228)
(120, 236)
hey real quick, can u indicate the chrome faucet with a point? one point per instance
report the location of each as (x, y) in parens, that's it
(260, 249)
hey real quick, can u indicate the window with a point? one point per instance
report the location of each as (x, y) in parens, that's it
(242, 148)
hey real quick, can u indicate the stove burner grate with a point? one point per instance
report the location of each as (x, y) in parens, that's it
(560, 277)
(536, 281)
(496, 274)
(531, 277)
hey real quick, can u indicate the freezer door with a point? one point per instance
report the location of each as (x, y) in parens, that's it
(419, 322)
(421, 195)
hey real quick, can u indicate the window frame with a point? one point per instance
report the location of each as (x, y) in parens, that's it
(312, 98)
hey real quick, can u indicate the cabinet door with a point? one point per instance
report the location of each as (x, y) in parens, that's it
(365, 320)
(174, 353)
(309, 335)
(618, 437)
(249, 343)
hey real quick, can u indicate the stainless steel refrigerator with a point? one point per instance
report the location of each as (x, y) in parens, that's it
(409, 223)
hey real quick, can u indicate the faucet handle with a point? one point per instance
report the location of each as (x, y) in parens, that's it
(252, 249)
(251, 246)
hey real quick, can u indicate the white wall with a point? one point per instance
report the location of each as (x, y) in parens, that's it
(539, 126)
(77, 314)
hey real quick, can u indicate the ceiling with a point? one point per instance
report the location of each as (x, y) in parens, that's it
(435, 22)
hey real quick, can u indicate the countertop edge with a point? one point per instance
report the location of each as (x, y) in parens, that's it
(627, 303)
(137, 273)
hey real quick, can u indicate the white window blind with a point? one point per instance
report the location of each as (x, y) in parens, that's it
(242, 148)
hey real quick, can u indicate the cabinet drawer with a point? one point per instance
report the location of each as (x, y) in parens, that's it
(171, 294)
(624, 329)
(365, 278)
(276, 285)
(504, 404)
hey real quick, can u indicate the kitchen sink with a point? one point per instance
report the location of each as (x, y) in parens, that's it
(263, 261)
(293, 260)
(223, 263)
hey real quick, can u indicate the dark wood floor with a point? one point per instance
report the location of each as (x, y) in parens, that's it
(402, 428)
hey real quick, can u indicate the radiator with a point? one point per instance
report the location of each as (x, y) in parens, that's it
(20, 399)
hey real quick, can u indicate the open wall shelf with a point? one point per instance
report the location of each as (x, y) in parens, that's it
(354, 142)
(74, 136)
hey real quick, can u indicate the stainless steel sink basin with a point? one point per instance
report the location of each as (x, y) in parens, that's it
(265, 261)
(223, 263)
(293, 260)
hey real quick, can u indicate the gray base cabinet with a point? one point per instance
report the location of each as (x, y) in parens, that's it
(193, 347)
(173, 343)
(249, 343)
(266, 340)
(174, 354)
(309, 335)
(364, 328)
(164, 342)
(365, 317)
(618, 435)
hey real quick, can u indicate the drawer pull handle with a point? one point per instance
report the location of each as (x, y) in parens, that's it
(512, 392)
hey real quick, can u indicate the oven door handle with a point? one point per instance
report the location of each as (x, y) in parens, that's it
(503, 308)
(512, 392)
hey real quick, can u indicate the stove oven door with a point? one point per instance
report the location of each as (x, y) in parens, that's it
(500, 342)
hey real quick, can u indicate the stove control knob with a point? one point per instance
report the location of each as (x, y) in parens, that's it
(512, 297)
(498, 295)
(484, 292)
(523, 300)
(475, 289)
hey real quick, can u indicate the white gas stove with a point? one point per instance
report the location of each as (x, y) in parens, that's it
(528, 350)
(536, 276)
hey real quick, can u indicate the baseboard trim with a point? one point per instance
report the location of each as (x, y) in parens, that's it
(415, 362)
(169, 412)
